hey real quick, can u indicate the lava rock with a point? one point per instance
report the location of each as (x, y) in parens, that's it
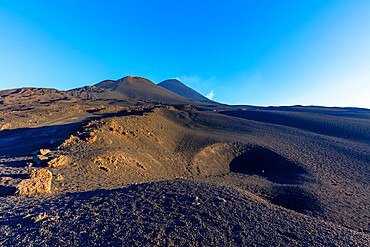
(39, 182)
(58, 161)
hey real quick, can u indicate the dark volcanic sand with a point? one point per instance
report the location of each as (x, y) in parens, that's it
(165, 214)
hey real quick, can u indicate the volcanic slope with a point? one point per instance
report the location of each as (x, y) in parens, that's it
(202, 177)
(179, 88)
(276, 162)
(23, 98)
(129, 88)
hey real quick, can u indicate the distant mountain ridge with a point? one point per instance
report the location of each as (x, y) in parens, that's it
(137, 88)
(127, 88)
(179, 88)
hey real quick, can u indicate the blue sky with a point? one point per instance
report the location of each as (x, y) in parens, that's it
(245, 52)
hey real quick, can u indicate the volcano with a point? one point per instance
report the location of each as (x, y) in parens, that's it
(179, 88)
(128, 87)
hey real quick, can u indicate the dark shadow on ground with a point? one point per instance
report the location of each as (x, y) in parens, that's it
(15, 176)
(22, 141)
(268, 164)
(295, 198)
(7, 190)
(288, 177)
(16, 163)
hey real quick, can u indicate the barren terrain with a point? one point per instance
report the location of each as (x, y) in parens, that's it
(171, 171)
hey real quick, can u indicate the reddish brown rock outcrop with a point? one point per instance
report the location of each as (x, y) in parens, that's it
(39, 182)
(58, 161)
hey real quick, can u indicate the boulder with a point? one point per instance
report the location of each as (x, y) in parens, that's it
(41, 152)
(39, 182)
(44, 151)
(59, 177)
(38, 159)
(5, 126)
(58, 161)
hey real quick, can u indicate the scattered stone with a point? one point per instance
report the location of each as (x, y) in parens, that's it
(5, 126)
(196, 201)
(348, 194)
(41, 152)
(6, 178)
(59, 177)
(38, 159)
(91, 139)
(68, 141)
(39, 217)
(104, 168)
(58, 161)
(44, 151)
(40, 182)
(140, 166)
(88, 137)
(27, 216)
(220, 199)
(35, 217)
(29, 164)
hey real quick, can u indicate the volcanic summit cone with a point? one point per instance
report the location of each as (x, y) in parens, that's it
(179, 88)
(128, 87)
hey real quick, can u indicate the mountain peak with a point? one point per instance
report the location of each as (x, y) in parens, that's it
(134, 79)
(173, 80)
(129, 87)
(126, 79)
(180, 88)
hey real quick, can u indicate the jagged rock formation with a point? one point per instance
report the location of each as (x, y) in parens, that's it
(59, 160)
(39, 182)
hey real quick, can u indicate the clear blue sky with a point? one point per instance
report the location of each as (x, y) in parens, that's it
(246, 52)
